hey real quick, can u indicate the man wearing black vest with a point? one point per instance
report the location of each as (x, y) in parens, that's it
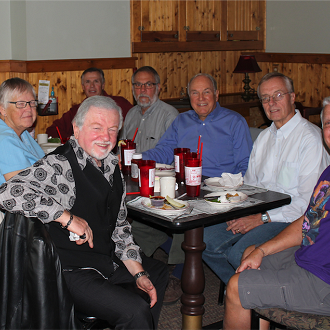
(79, 192)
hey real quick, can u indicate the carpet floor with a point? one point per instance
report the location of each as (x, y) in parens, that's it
(170, 317)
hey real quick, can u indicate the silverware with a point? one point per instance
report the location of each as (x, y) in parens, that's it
(186, 212)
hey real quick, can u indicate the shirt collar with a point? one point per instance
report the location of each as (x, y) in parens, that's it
(287, 128)
(210, 116)
(83, 157)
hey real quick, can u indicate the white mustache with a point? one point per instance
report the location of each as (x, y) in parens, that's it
(102, 142)
(144, 95)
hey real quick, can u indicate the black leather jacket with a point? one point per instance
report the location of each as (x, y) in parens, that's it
(33, 292)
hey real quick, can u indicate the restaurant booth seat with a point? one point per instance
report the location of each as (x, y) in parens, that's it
(284, 319)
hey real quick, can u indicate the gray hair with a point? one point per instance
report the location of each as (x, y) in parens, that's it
(214, 83)
(102, 102)
(326, 101)
(287, 81)
(12, 86)
(93, 70)
(148, 69)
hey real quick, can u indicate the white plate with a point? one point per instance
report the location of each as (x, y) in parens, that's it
(49, 147)
(164, 170)
(214, 183)
(242, 196)
(147, 204)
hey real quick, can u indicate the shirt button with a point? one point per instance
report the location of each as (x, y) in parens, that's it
(203, 124)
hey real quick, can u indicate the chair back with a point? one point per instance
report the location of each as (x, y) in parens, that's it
(313, 115)
(33, 292)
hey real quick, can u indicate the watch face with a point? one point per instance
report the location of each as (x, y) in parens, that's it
(264, 217)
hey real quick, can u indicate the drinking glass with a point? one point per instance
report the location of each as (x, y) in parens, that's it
(147, 170)
(127, 150)
(193, 174)
(179, 160)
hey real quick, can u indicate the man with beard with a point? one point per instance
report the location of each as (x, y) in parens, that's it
(151, 116)
(79, 192)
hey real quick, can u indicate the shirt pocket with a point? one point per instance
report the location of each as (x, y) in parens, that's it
(287, 174)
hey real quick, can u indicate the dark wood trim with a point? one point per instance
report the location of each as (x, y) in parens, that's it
(159, 36)
(292, 58)
(66, 65)
(203, 36)
(169, 47)
(242, 35)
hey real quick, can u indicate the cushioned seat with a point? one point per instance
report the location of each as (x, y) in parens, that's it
(294, 320)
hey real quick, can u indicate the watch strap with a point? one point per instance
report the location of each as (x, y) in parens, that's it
(139, 274)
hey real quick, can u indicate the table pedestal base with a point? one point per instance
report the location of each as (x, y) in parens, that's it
(193, 279)
(192, 322)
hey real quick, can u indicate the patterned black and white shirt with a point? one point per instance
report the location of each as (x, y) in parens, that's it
(47, 188)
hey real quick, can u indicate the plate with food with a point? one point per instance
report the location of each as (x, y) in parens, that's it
(164, 170)
(170, 206)
(225, 198)
(215, 183)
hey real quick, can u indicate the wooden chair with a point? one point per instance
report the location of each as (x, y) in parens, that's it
(284, 319)
(307, 112)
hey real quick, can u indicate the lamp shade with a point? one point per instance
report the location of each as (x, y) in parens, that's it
(247, 64)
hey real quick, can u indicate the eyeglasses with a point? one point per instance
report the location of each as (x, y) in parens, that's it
(276, 97)
(23, 104)
(147, 85)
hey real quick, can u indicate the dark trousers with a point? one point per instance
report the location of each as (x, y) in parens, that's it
(96, 296)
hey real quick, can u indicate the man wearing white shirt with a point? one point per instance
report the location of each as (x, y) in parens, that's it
(287, 157)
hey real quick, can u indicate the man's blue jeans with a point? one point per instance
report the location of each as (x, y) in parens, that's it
(224, 250)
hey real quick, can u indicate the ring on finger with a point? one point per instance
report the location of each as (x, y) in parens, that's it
(83, 236)
(237, 230)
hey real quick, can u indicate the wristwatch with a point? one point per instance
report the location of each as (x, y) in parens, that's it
(139, 274)
(265, 217)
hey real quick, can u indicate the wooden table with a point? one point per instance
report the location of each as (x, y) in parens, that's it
(233, 101)
(193, 279)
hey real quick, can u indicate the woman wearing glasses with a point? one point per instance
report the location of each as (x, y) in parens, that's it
(18, 112)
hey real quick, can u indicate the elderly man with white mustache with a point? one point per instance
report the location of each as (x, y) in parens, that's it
(151, 116)
(78, 191)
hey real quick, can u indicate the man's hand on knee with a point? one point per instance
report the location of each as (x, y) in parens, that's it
(146, 285)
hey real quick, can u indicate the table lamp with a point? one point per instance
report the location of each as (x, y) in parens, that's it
(247, 64)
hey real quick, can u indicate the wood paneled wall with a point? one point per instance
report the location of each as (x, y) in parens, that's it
(176, 69)
(67, 85)
(309, 72)
(217, 58)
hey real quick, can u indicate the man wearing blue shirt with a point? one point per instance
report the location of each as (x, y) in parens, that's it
(225, 134)
(227, 145)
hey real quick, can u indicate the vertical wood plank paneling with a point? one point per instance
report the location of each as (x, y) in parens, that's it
(182, 8)
(325, 80)
(224, 20)
(217, 16)
(315, 81)
(231, 15)
(192, 20)
(136, 20)
(184, 76)
(146, 7)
